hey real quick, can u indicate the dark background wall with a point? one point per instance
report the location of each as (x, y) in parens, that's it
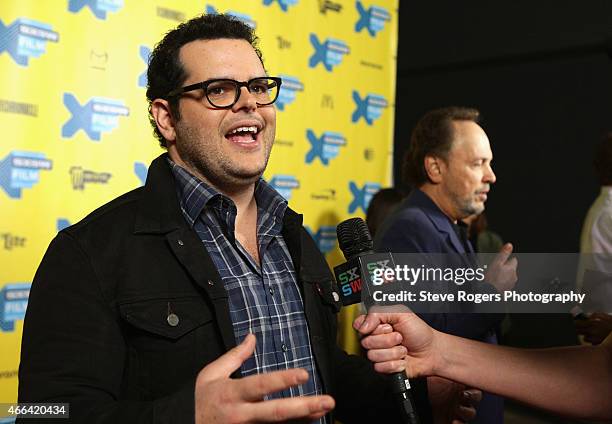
(540, 73)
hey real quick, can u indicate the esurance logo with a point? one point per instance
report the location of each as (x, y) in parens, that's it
(373, 19)
(21, 170)
(370, 108)
(362, 196)
(325, 237)
(285, 184)
(80, 177)
(326, 147)
(98, 7)
(141, 171)
(26, 38)
(95, 117)
(330, 53)
(289, 89)
(246, 19)
(284, 4)
(13, 304)
(144, 53)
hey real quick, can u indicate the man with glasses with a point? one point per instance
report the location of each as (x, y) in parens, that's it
(143, 311)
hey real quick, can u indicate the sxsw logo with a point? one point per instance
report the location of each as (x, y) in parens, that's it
(13, 304)
(362, 196)
(373, 19)
(26, 38)
(144, 53)
(284, 4)
(286, 96)
(98, 7)
(80, 177)
(325, 147)
(246, 19)
(21, 170)
(96, 116)
(325, 237)
(370, 108)
(329, 53)
(285, 184)
(141, 171)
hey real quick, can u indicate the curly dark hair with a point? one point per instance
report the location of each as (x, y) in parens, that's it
(603, 160)
(432, 136)
(166, 72)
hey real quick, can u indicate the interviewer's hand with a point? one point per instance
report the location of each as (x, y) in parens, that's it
(220, 399)
(501, 272)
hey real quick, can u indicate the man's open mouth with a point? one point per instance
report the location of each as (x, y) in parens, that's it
(243, 135)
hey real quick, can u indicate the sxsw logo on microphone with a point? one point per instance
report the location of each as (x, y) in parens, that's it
(26, 38)
(13, 304)
(350, 281)
(330, 53)
(325, 237)
(286, 96)
(246, 19)
(97, 116)
(369, 108)
(284, 4)
(80, 177)
(144, 53)
(362, 196)
(285, 184)
(98, 7)
(21, 170)
(373, 18)
(325, 147)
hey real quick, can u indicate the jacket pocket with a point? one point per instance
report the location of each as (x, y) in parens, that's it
(326, 291)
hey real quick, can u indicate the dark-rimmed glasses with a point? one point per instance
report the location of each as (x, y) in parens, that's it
(224, 93)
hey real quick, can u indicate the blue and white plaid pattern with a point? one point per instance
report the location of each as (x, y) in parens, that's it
(264, 300)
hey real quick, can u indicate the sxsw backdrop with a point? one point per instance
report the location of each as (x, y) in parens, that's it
(74, 118)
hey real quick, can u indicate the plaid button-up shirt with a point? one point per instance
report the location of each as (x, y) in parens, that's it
(264, 299)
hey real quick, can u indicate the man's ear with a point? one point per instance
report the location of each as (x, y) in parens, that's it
(160, 109)
(434, 166)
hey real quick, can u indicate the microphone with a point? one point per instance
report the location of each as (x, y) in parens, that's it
(356, 244)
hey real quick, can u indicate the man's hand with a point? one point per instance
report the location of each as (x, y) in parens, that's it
(452, 402)
(595, 328)
(220, 399)
(501, 272)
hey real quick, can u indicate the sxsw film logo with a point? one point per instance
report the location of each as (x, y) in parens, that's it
(246, 19)
(98, 7)
(285, 184)
(21, 170)
(13, 304)
(325, 147)
(96, 116)
(286, 96)
(329, 53)
(325, 237)
(369, 108)
(373, 18)
(144, 53)
(284, 4)
(80, 177)
(62, 223)
(141, 171)
(362, 196)
(26, 38)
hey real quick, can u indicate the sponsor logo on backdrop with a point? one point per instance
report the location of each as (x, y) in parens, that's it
(289, 88)
(285, 184)
(141, 170)
(144, 53)
(372, 65)
(13, 304)
(9, 106)
(329, 6)
(172, 14)
(282, 142)
(368, 154)
(81, 177)
(98, 59)
(284, 4)
(19, 170)
(373, 19)
(283, 43)
(370, 108)
(330, 53)
(10, 241)
(25, 39)
(326, 147)
(98, 7)
(325, 237)
(246, 19)
(327, 101)
(362, 196)
(62, 223)
(325, 194)
(98, 115)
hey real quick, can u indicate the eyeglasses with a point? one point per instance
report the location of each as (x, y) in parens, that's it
(224, 93)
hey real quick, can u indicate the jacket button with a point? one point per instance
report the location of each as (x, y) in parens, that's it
(173, 320)
(180, 242)
(211, 283)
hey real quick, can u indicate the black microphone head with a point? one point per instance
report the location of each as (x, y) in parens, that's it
(354, 237)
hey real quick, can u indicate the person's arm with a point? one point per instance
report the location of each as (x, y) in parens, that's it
(571, 381)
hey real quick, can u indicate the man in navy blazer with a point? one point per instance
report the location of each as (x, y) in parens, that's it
(449, 165)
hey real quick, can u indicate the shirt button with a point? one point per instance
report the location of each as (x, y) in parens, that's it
(284, 347)
(271, 291)
(173, 320)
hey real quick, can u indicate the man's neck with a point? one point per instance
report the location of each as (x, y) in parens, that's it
(434, 192)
